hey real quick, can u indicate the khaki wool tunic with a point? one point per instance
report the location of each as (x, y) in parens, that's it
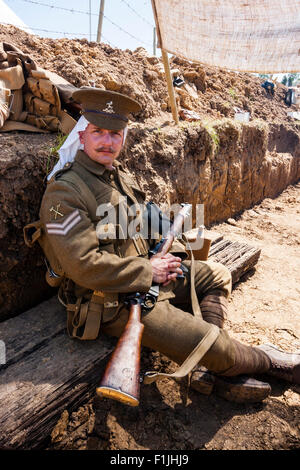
(118, 266)
(68, 212)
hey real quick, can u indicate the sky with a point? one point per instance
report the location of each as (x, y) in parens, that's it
(127, 24)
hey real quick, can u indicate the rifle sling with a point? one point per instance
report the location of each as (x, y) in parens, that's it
(191, 361)
(202, 347)
(194, 298)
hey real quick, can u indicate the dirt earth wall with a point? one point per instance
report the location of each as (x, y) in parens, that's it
(226, 165)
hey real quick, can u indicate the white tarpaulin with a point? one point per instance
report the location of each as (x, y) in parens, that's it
(7, 16)
(247, 35)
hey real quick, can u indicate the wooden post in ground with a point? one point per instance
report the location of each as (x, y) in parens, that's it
(170, 85)
(90, 19)
(100, 21)
(166, 66)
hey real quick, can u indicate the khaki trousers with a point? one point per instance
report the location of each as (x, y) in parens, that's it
(171, 328)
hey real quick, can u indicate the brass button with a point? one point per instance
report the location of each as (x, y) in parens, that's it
(111, 176)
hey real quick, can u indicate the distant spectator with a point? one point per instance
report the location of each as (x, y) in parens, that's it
(269, 87)
(289, 97)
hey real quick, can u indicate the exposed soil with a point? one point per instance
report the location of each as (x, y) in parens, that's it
(24, 159)
(264, 307)
(212, 92)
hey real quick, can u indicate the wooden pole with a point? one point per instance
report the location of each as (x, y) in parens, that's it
(90, 19)
(170, 85)
(154, 41)
(100, 21)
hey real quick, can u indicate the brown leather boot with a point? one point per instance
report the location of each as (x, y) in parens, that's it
(248, 360)
(202, 380)
(238, 389)
(214, 310)
(285, 366)
(233, 385)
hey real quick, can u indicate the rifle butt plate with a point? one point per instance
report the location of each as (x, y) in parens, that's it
(118, 395)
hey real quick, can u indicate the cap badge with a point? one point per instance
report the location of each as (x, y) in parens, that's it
(109, 107)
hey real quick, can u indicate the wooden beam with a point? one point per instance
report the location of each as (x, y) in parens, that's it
(238, 257)
(45, 373)
(170, 85)
(166, 66)
(154, 41)
(100, 20)
(90, 19)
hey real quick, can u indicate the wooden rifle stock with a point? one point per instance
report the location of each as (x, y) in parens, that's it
(121, 379)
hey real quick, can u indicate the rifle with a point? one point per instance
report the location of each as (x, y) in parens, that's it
(121, 379)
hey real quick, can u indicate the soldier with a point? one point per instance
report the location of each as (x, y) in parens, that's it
(97, 271)
(269, 87)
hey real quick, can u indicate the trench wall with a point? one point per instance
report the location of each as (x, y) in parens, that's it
(227, 166)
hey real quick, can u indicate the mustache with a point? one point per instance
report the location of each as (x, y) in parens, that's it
(105, 149)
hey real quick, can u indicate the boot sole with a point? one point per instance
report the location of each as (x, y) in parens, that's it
(202, 381)
(242, 389)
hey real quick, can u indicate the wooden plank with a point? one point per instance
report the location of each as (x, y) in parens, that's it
(41, 380)
(27, 332)
(218, 247)
(170, 86)
(238, 257)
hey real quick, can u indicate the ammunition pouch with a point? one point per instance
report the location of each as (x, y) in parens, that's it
(84, 317)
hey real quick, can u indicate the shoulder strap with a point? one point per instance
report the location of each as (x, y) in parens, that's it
(203, 346)
(83, 180)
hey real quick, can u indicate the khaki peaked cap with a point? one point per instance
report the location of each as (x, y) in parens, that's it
(105, 109)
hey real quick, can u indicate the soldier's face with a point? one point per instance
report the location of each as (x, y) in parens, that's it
(101, 145)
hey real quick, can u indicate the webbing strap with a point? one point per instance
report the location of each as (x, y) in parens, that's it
(191, 361)
(202, 347)
(88, 314)
(194, 298)
(92, 324)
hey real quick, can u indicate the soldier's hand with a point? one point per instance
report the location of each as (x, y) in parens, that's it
(165, 268)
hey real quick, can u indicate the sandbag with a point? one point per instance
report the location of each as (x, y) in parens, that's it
(13, 77)
(16, 106)
(5, 95)
(35, 97)
(21, 126)
(65, 89)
